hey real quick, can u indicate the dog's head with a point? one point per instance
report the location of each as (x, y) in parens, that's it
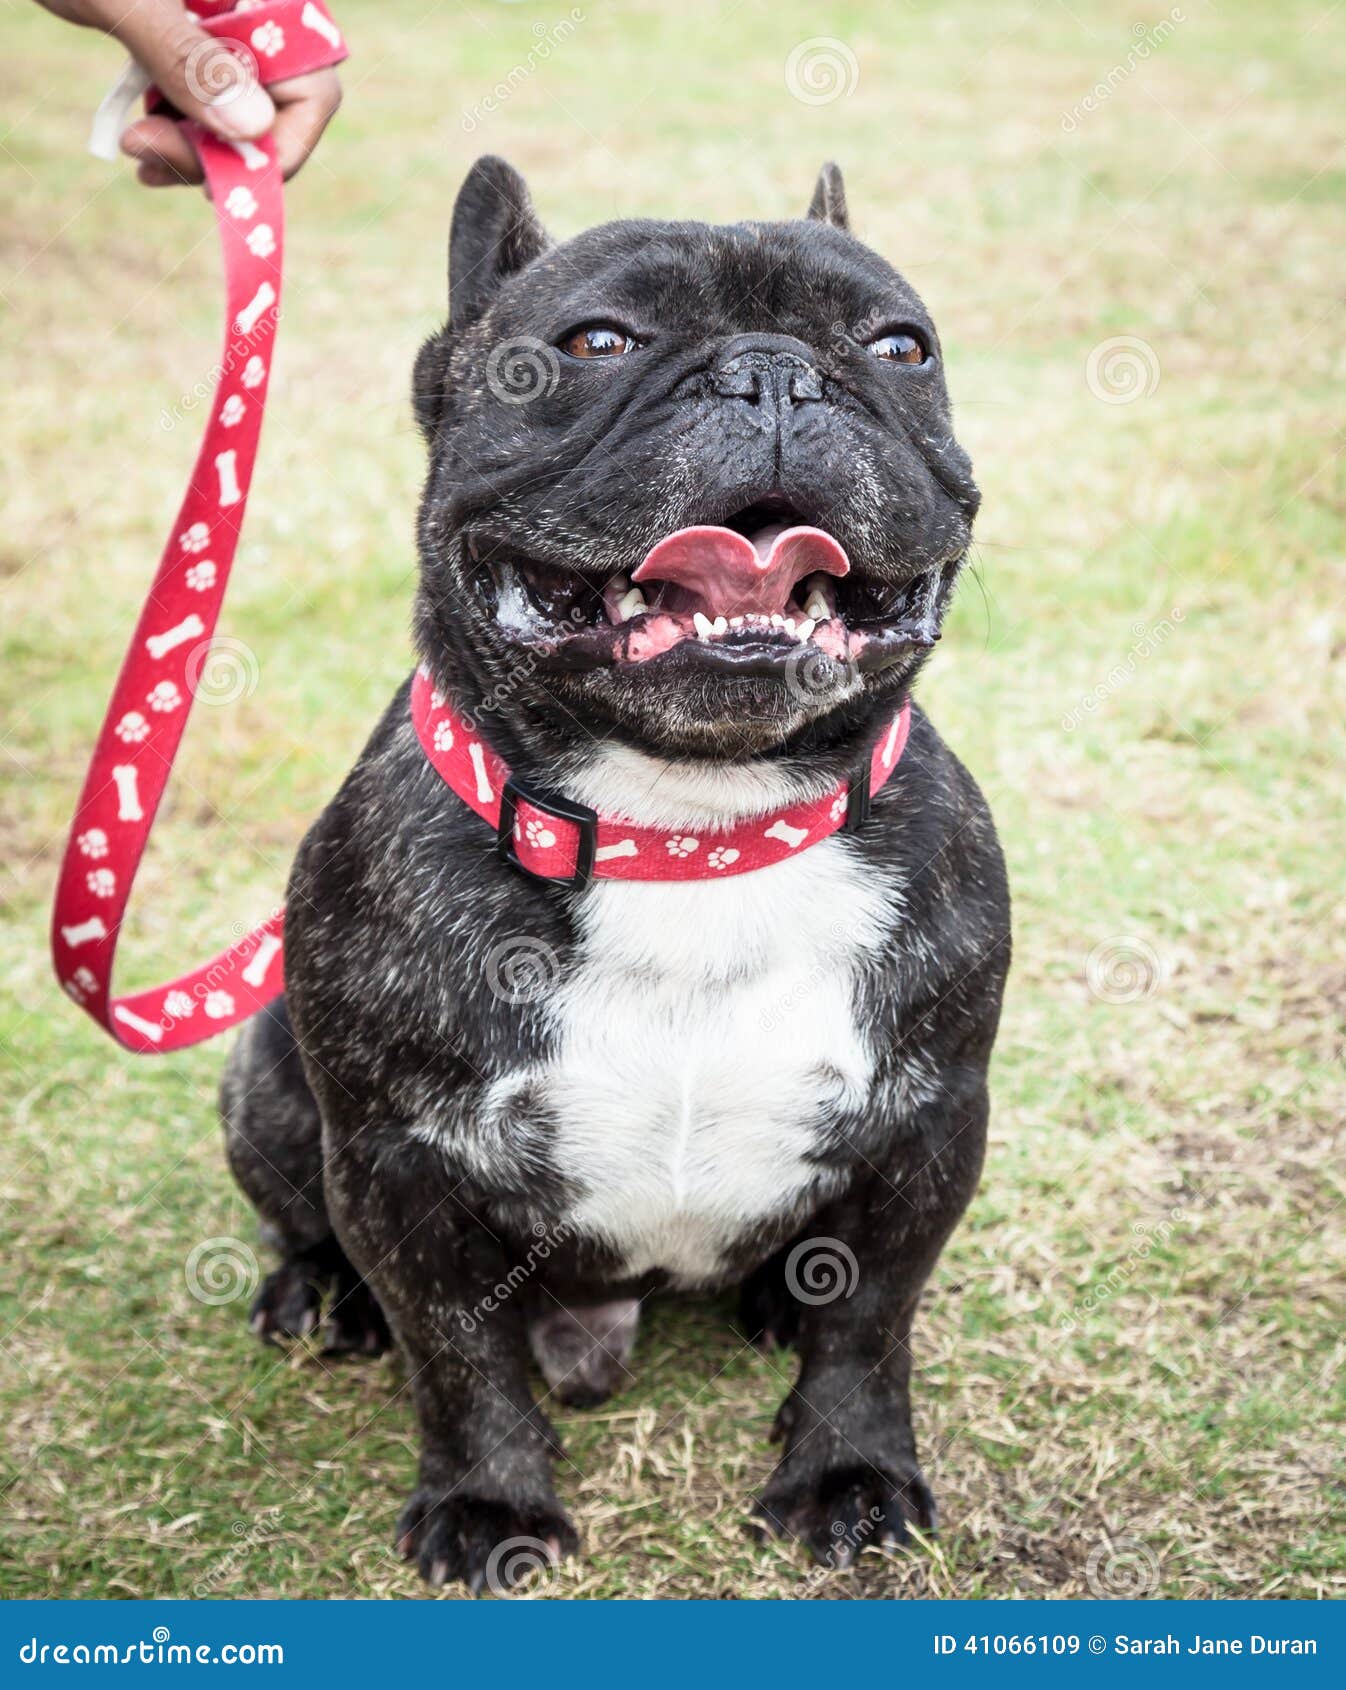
(693, 485)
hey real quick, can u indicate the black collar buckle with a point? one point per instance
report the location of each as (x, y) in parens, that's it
(559, 808)
(859, 800)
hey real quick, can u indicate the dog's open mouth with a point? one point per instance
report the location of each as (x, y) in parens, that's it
(745, 596)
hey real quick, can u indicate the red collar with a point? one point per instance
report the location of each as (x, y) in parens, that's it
(553, 838)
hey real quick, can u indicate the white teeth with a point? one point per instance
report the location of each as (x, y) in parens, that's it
(789, 624)
(632, 604)
(703, 625)
(816, 606)
(736, 621)
(805, 628)
(777, 620)
(721, 625)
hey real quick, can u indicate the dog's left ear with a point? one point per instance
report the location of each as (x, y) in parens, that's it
(828, 204)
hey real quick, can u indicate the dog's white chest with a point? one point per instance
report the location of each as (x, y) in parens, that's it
(702, 1043)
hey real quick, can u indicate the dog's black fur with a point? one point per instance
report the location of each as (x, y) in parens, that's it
(397, 896)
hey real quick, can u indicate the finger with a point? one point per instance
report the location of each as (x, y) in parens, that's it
(305, 106)
(157, 175)
(202, 77)
(160, 143)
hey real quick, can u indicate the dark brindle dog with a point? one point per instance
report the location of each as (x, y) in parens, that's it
(717, 1069)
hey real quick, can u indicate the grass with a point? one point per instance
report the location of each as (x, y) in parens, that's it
(1130, 1356)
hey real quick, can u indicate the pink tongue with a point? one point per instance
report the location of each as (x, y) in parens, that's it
(734, 575)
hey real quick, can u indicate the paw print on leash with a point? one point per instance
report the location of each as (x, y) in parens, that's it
(178, 1006)
(132, 728)
(196, 538)
(261, 241)
(539, 834)
(218, 1005)
(81, 985)
(443, 737)
(253, 372)
(164, 697)
(201, 577)
(101, 882)
(722, 856)
(838, 809)
(93, 843)
(681, 845)
(268, 39)
(232, 411)
(241, 202)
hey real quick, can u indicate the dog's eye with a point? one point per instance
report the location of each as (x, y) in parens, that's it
(599, 340)
(901, 347)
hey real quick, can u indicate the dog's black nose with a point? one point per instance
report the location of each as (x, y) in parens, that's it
(770, 370)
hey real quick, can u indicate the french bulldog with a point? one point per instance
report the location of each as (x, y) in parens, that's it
(693, 515)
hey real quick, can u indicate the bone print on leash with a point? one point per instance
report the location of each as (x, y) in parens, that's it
(190, 628)
(268, 948)
(312, 18)
(126, 778)
(251, 314)
(226, 467)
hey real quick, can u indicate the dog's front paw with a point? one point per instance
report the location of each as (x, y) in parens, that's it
(488, 1543)
(845, 1509)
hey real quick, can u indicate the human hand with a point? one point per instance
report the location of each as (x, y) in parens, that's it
(204, 80)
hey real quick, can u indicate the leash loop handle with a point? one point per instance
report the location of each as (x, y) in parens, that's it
(154, 693)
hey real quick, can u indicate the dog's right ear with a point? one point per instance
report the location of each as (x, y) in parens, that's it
(495, 232)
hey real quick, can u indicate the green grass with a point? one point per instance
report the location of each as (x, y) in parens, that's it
(1131, 1350)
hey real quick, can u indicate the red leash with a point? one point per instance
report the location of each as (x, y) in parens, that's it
(156, 688)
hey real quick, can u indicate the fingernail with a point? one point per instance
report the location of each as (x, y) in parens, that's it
(243, 113)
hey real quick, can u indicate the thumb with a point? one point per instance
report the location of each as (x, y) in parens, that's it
(204, 78)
